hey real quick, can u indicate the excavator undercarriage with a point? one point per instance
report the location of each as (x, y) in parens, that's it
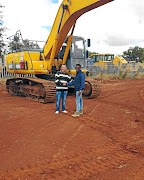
(44, 91)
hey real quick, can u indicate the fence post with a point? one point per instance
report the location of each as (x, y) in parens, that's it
(132, 71)
(118, 69)
(0, 68)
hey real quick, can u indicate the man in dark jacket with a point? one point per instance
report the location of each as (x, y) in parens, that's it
(61, 90)
(79, 84)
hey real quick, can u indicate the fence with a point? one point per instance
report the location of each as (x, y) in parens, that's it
(129, 69)
(5, 75)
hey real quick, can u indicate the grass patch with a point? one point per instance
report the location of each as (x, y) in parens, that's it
(138, 75)
(2, 82)
(104, 77)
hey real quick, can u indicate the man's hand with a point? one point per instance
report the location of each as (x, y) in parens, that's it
(80, 93)
(64, 84)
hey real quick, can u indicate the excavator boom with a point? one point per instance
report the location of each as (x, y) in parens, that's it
(68, 13)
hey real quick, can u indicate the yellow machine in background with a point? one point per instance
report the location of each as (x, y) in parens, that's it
(106, 61)
(134, 64)
(120, 62)
(102, 60)
(59, 49)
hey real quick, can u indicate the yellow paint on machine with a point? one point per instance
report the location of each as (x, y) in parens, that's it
(34, 63)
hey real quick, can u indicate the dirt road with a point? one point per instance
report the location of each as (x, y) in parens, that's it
(106, 143)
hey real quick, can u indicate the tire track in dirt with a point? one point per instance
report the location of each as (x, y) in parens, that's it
(85, 165)
(109, 129)
(76, 166)
(114, 131)
(122, 105)
(126, 90)
(138, 171)
(70, 139)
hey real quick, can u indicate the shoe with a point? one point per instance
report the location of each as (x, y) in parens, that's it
(57, 112)
(65, 111)
(80, 112)
(76, 114)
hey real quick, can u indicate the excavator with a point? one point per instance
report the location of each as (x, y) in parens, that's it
(107, 61)
(60, 48)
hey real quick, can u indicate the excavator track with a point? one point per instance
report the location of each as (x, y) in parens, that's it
(92, 89)
(36, 89)
(44, 91)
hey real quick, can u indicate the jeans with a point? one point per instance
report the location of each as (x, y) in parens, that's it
(59, 95)
(79, 101)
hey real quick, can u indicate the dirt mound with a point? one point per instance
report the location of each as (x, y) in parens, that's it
(107, 142)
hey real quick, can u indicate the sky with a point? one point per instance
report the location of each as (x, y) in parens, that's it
(112, 28)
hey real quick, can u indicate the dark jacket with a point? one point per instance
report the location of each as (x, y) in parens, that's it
(61, 78)
(79, 81)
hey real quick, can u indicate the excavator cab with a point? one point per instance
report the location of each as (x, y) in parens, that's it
(77, 54)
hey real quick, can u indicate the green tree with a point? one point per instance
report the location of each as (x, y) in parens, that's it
(142, 57)
(134, 52)
(2, 30)
(90, 53)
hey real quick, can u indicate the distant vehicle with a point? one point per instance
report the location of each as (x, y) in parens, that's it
(107, 61)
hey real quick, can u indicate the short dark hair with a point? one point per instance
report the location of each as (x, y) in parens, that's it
(78, 65)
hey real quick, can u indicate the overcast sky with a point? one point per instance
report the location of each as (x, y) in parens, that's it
(112, 28)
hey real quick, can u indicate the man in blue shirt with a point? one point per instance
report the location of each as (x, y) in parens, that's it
(79, 84)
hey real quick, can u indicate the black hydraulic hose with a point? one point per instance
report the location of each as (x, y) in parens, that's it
(64, 7)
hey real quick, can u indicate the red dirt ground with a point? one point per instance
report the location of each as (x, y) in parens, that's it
(106, 143)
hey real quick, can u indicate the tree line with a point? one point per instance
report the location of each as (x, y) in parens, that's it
(135, 52)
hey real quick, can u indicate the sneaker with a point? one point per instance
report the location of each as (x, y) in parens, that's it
(76, 114)
(64, 111)
(81, 112)
(57, 112)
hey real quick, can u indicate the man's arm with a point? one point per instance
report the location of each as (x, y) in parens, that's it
(82, 81)
(71, 83)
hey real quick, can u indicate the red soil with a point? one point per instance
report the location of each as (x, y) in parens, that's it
(107, 142)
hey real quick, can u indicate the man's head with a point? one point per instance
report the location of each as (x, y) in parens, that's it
(63, 68)
(78, 67)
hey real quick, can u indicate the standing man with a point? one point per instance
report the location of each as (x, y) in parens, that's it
(79, 84)
(61, 90)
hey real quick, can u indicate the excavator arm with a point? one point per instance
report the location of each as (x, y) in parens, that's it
(68, 13)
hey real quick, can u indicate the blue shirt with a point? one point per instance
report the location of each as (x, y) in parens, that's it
(79, 81)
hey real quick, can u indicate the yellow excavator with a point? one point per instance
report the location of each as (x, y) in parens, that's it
(106, 61)
(59, 49)
(103, 60)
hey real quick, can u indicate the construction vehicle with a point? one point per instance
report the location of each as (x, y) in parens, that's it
(103, 60)
(59, 49)
(134, 63)
(108, 62)
(120, 62)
